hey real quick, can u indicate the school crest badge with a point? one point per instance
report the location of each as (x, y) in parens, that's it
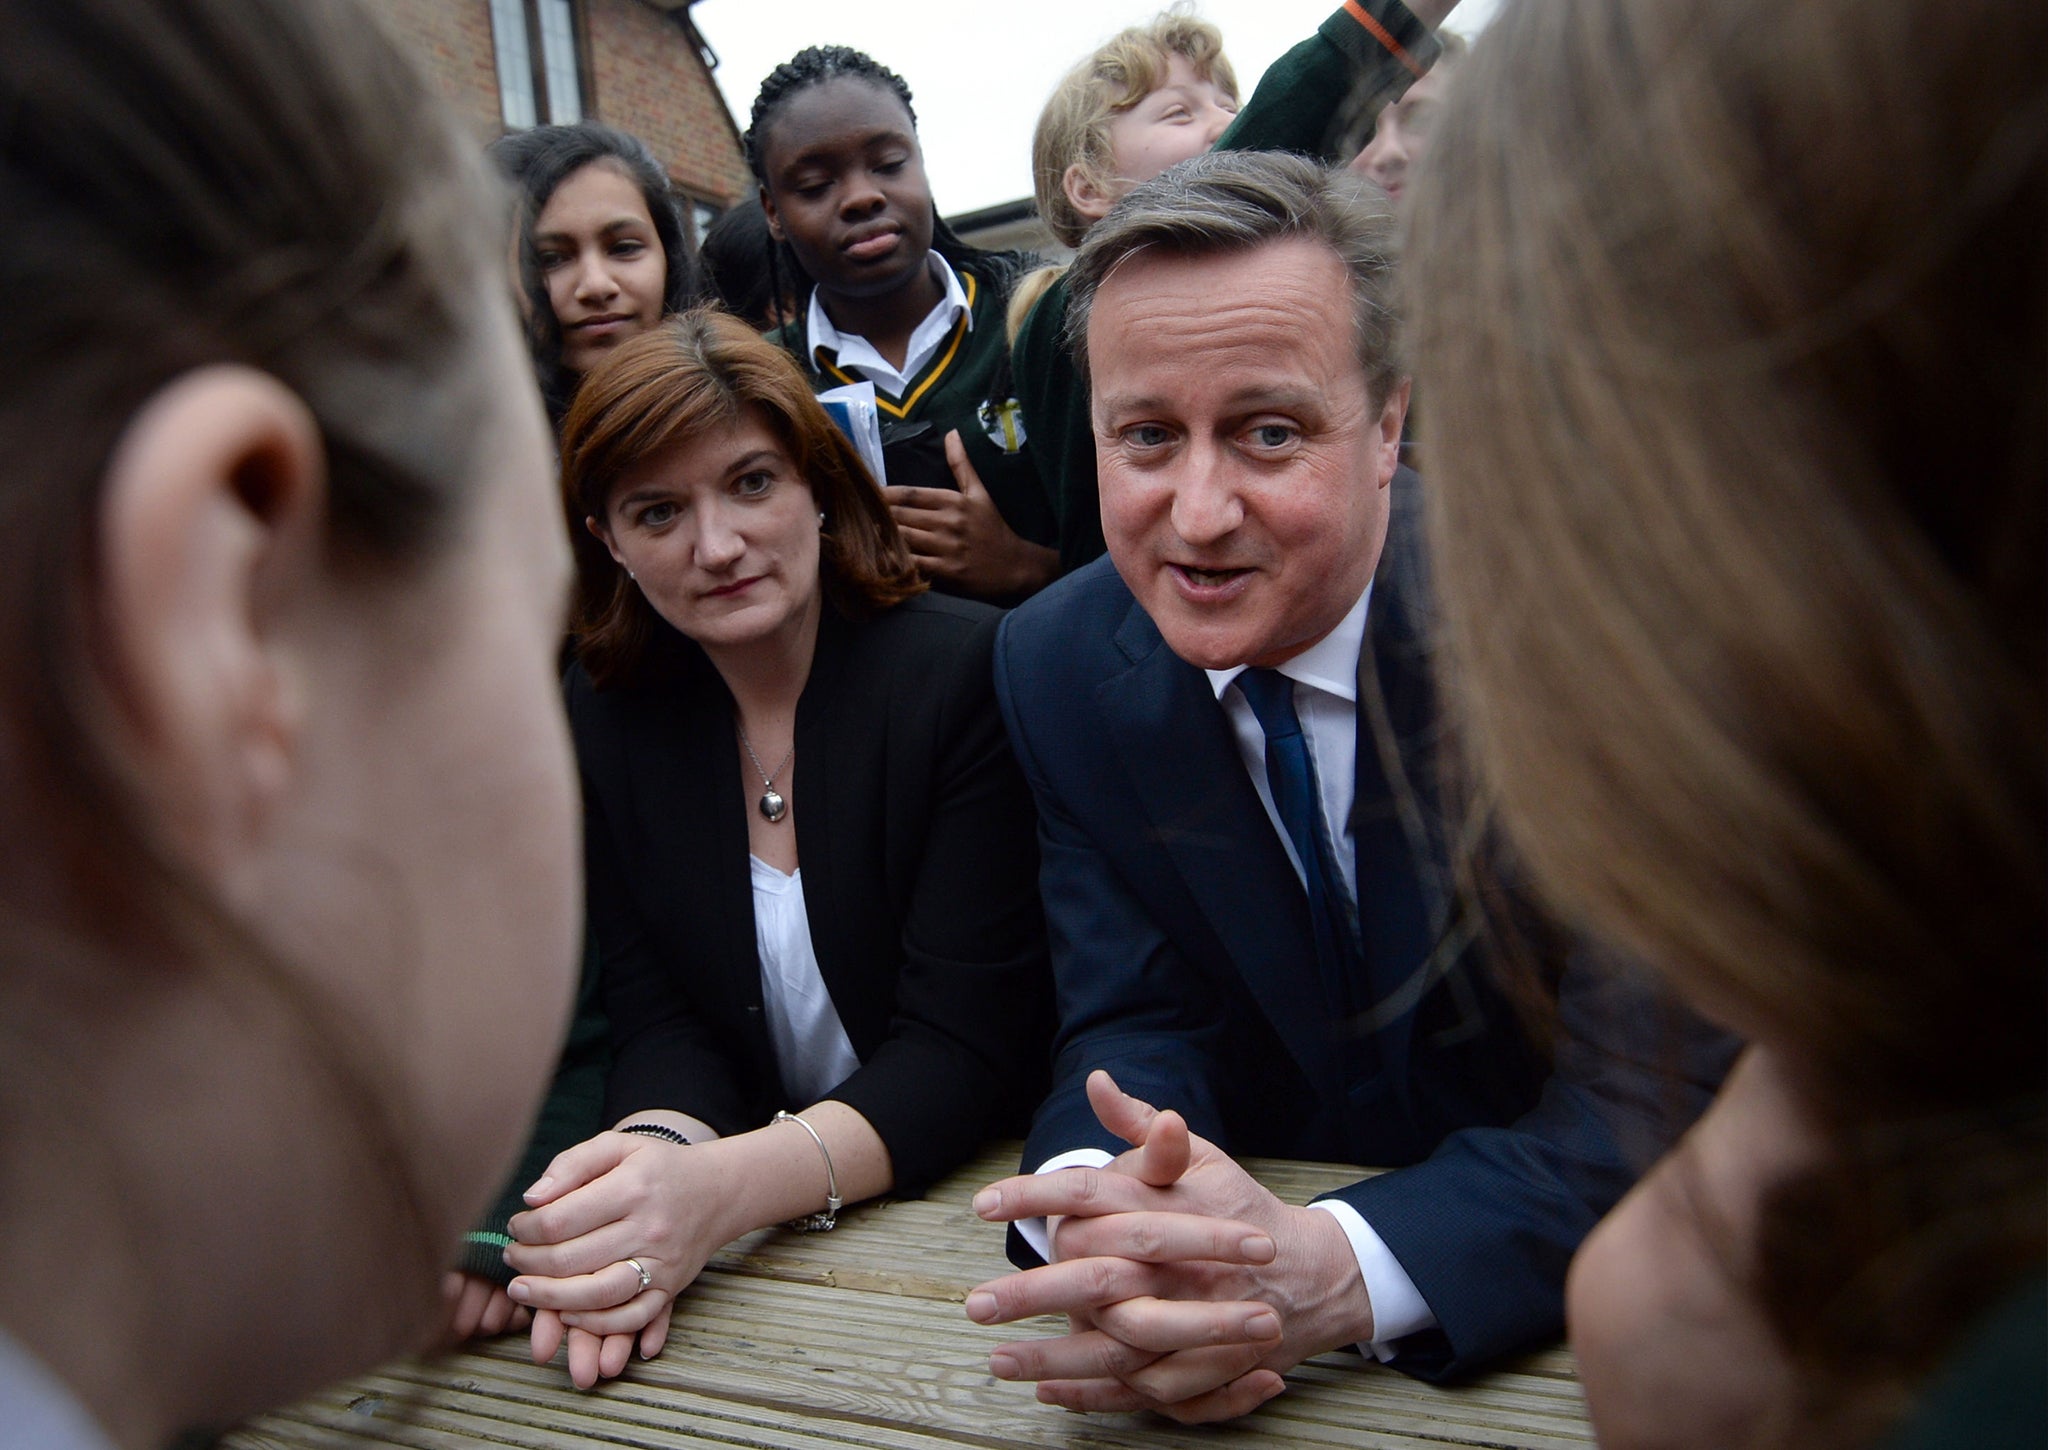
(1004, 424)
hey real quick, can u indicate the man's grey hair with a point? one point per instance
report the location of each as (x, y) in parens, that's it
(1234, 201)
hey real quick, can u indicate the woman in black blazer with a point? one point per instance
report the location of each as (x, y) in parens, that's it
(812, 859)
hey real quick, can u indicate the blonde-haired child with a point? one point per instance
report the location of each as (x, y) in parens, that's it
(1164, 88)
(1147, 97)
(1150, 97)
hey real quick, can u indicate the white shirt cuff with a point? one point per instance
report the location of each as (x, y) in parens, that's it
(1035, 1231)
(1397, 1306)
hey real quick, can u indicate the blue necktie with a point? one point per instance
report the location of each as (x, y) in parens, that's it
(1292, 777)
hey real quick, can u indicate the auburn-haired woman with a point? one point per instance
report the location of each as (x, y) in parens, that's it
(1739, 434)
(812, 858)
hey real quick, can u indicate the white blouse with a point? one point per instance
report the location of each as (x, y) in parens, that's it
(812, 1052)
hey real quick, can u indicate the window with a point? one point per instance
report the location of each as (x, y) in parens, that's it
(558, 59)
(539, 68)
(700, 214)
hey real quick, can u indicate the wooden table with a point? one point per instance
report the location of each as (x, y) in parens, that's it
(855, 1340)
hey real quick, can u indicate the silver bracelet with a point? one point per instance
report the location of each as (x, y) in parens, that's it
(828, 1220)
(657, 1130)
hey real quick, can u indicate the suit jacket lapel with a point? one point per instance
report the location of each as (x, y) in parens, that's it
(1409, 910)
(1203, 813)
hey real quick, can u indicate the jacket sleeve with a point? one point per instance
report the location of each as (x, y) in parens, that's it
(1362, 57)
(1487, 1225)
(965, 1047)
(1125, 999)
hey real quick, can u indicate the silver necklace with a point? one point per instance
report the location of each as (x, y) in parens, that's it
(772, 803)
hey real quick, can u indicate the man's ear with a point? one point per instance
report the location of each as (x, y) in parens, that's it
(211, 527)
(768, 210)
(1393, 417)
(1086, 195)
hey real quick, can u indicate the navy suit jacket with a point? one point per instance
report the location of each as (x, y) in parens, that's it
(1184, 963)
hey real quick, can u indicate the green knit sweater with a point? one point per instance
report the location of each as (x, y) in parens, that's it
(1360, 58)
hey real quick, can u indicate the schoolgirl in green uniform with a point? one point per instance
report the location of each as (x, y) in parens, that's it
(890, 296)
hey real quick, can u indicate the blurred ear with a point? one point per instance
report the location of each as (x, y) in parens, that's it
(1387, 442)
(774, 221)
(211, 528)
(1085, 194)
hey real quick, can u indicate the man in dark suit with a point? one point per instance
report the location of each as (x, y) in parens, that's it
(1247, 869)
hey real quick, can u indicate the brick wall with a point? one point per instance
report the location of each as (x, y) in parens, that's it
(650, 80)
(451, 39)
(644, 76)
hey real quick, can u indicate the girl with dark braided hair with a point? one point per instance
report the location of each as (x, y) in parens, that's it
(892, 297)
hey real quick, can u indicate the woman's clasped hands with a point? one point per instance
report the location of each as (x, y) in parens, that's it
(617, 1227)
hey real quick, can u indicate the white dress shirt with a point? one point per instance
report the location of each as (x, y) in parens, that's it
(856, 354)
(812, 1053)
(1325, 680)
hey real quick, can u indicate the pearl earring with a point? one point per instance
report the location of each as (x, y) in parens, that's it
(821, 519)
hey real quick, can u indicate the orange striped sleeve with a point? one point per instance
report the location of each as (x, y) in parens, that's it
(1385, 37)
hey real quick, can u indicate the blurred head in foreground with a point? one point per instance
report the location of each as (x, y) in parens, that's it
(1732, 323)
(287, 913)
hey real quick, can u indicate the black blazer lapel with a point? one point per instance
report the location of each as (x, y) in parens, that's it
(1203, 813)
(692, 814)
(825, 839)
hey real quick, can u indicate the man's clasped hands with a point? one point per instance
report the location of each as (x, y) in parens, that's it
(1188, 1288)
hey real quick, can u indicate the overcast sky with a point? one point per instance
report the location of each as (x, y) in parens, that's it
(980, 78)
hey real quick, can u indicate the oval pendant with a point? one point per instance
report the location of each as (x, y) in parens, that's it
(773, 806)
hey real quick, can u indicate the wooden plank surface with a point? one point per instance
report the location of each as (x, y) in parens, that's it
(855, 1340)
